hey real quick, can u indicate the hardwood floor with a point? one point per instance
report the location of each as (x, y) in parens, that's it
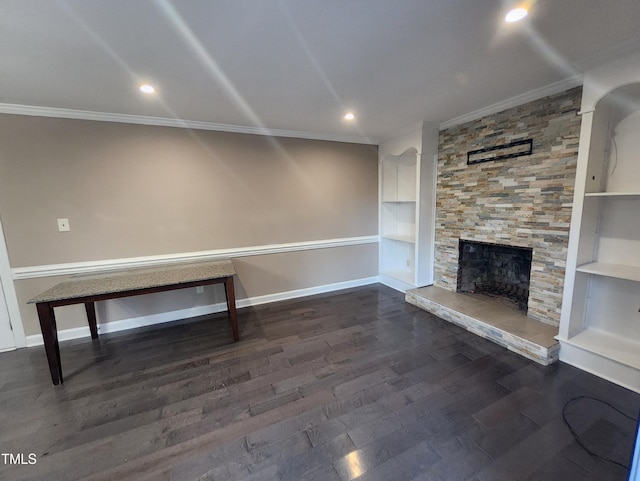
(349, 385)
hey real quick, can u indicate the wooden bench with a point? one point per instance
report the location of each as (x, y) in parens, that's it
(87, 289)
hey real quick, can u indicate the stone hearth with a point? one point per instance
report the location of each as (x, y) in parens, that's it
(499, 323)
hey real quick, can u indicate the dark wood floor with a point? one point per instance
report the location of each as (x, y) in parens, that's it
(354, 384)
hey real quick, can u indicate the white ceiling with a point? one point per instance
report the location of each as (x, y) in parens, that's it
(298, 65)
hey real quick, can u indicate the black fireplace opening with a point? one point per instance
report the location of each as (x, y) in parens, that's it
(499, 271)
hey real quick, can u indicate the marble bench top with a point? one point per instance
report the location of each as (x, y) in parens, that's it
(127, 280)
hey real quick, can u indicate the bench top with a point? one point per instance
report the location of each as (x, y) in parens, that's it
(86, 285)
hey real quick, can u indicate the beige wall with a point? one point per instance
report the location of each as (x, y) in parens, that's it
(256, 276)
(135, 190)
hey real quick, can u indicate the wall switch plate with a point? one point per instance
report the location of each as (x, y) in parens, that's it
(63, 225)
(199, 289)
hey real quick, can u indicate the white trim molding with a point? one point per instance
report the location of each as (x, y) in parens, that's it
(73, 268)
(124, 324)
(37, 111)
(551, 89)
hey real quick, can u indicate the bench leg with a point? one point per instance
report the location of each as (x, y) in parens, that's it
(231, 305)
(50, 337)
(90, 307)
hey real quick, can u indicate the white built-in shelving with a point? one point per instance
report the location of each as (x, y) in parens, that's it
(407, 208)
(618, 195)
(600, 321)
(617, 271)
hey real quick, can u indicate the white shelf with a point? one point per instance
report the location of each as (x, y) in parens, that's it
(408, 170)
(600, 299)
(630, 273)
(617, 348)
(401, 238)
(617, 195)
(398, 217)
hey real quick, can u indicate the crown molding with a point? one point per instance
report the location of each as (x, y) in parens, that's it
(536, 94)
(36, 111)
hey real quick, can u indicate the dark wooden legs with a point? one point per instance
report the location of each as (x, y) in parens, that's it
(91, 317)
(50, 331)
(50, 337)
(231, 305)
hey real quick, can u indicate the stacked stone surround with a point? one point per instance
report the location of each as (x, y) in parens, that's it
(524, 201)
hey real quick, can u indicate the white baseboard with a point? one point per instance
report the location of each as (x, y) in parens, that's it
(308, 291)
(396, 284)
(142, 321)
(599, 365)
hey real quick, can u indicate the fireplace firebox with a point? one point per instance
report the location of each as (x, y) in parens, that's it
(496, 270)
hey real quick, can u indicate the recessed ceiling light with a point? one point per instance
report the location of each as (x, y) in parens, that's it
(349, 116)
(516, 15)
(147, 89)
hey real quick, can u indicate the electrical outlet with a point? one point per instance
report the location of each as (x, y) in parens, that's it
(63, 225)
(199, 289)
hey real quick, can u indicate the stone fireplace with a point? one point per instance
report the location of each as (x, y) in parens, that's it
(520, 204)
(499, 271)
(523, 201)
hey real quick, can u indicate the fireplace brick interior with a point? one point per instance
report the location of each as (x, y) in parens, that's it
(496, 270)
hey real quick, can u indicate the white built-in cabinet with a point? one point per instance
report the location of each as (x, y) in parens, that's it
(408, 167)
(600, 322)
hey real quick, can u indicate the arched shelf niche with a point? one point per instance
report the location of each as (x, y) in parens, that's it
(615, 138)
(399, 176)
